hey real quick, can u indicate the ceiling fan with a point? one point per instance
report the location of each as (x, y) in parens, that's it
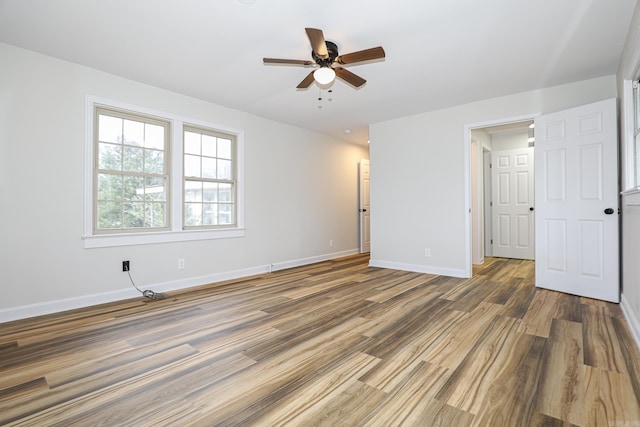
(328, 62)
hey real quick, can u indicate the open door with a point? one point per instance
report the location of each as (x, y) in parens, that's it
(576, 181)
(365, 208)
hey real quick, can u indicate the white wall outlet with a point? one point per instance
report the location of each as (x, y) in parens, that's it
(181, 264)
(427, 252)
(330, 243)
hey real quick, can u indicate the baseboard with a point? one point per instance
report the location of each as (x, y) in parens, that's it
(311, 260)
(57, 306)
(418, 268)
(632, 319)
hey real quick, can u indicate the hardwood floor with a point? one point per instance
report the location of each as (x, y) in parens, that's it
(331, 344)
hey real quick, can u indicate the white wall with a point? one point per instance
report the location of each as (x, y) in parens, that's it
(300, 192)
(509, 140)
(628, 70)
(419, 175)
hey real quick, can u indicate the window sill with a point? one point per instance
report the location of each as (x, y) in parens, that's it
(110, 240)
(631, 197)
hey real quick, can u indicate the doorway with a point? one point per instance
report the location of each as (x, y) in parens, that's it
(501, 190)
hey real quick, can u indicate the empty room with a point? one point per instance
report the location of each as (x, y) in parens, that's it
(263, 213)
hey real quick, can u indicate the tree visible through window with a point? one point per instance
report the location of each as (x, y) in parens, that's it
(131, 172)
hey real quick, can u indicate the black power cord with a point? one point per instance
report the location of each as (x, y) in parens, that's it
(148, 293)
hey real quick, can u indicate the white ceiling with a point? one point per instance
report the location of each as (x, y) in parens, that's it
(439, 53)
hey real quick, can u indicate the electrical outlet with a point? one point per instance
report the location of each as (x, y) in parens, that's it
(427, 252)
(125, 265)
(181, 264)
(330, 243)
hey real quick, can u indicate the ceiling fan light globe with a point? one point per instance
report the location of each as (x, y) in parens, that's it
(324, 75)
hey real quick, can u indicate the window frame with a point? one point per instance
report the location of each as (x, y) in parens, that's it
(635, 131)
(142, 118)
(233, 180)
(175, 232)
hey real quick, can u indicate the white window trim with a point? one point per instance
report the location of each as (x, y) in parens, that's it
(628, 110)
(176, 233)
(631, 182)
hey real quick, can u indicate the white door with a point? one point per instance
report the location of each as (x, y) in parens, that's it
(512, 198)
(365, 208)
(577, 201)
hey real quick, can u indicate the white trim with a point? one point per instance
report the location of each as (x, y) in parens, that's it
(311, 260)
(632, 320)
(176, 234)
(130, 239)
(49, 307)
(468, 127)
(627, 135)
(418, 268)
(468, 258)
(631, 197)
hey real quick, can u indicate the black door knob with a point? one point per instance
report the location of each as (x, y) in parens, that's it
(531, 208)
(608, 211)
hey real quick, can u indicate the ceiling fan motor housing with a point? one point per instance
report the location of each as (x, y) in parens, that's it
(332, 50)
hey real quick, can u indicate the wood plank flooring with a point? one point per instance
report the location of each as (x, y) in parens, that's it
(337, 343)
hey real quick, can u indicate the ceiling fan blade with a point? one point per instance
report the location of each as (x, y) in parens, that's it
(306, 82)
(278, 61)
(349, 77)
(362, 55)
(318, 43)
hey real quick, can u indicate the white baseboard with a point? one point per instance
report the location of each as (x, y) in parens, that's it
(418, 268)
(311, 260)
(48, 307)
(632, 319)
(56, 306)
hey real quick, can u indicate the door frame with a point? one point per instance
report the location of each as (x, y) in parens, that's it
(468, 127)
(364, 225)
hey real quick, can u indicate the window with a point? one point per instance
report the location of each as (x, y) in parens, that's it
(209, 183)
(154, 177)
(131, 172)
(636, 131)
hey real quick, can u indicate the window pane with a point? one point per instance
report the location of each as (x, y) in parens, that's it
(193, 191)
(225, 193)
(133, 159)
(155, 189)
(224, 169)
(210, 192)
(133, 215)
(225, 214)
(109, 215)
(109, 129)
(208, 146)
(193, 214)
(109, 187)
(133, 133)
(192, 143)
(133, 188)
(154, 161)
(208, 167)
(636, 105)
(210, 214)
(637, 159)
(154, 136)
(224, 148)
(154, 215)
(192, 166)
(109, 157)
